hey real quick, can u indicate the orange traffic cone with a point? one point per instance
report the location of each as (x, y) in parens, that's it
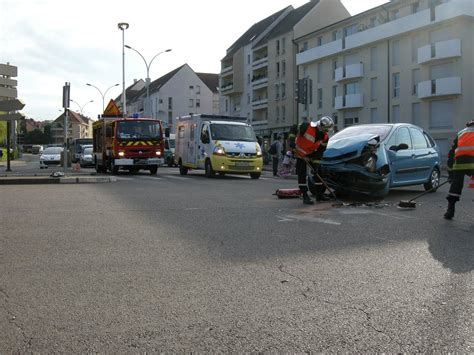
(470, 184)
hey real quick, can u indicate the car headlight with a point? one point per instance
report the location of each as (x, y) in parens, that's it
(121, 154)
(219, 151)
(370, 163)
(259, 151)
(158, 153)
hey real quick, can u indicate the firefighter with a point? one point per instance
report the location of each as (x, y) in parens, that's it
(311, 143)
(460, 163)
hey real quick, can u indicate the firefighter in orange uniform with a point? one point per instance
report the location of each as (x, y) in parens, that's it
(311, 143)
(460, 163)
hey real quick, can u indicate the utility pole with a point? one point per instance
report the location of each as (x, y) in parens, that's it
(66, 99)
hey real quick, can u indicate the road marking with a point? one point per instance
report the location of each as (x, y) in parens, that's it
(176, 177)
(298, 218)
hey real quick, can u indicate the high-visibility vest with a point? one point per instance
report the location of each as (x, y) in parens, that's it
(465, 143)
(307, 143)
(471, 183)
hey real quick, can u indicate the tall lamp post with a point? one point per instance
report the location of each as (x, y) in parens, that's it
(102, 94)
(148, 65)
(122, 27)
(81, 107)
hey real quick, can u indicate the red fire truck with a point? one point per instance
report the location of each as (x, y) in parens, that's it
(128, 143)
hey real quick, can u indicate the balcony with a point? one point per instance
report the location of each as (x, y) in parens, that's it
(439, 87)
(227, 70)
(260, 63)
(439, 50)
(316, 53)
(260, 103)
(227, 88)
(352, 71)
(349, 101)
(259, 82)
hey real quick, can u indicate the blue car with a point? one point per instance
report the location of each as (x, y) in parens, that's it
(370, 159)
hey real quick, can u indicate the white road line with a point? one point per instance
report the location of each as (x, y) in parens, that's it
(293, 218)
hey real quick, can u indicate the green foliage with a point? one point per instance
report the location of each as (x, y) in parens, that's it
(35, 137)
(3, 131)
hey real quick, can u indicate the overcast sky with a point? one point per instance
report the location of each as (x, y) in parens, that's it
(58, 41)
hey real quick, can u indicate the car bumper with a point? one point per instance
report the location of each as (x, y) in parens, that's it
(49, 162)
(237, 166)
(139, 162)
(355, 178)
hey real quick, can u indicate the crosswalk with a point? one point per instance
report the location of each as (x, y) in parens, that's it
(175, 177)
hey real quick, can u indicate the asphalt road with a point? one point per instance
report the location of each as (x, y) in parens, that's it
(172, 263)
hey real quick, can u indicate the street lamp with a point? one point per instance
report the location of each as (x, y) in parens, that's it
(81, 107)
(102, 94)
(148, 65)
(122, 27)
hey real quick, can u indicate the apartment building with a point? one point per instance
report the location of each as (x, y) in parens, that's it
(259, 70)
(179, 92)
(79, 127)
(405, 61)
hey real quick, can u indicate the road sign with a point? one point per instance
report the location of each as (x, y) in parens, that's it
(11, 105)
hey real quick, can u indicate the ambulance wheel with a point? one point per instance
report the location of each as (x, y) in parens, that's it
(255, 175)
(210, 173)
(153, 170)
(182, 169)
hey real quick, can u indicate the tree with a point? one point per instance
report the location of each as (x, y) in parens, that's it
(35, 137)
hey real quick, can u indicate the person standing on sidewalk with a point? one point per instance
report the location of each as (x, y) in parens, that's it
(460, 163)
(277, 153)
(311, 143)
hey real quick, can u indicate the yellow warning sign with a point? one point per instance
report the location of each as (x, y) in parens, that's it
(112, 110)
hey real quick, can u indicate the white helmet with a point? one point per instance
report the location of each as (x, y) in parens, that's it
(325, 124)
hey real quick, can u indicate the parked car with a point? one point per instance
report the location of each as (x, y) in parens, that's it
(170, 156)
(370, 159)
(86, 159)
(50, 156)
(36, 149)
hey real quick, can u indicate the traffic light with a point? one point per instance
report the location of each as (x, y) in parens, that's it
(302, 91)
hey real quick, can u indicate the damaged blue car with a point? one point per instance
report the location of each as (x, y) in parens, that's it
(370, 159)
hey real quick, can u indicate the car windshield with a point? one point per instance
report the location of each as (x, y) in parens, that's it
(380, 130)
(232, 132)
(138, 130)
(88, 151)
(53, 150)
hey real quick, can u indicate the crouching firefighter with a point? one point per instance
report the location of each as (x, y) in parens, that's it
(460, 163)
(310, 144)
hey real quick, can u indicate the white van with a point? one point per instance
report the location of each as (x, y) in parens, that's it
(217, 144)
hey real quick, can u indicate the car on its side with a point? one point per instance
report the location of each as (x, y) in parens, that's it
(50, 156)
(86, 159)
(373, 158)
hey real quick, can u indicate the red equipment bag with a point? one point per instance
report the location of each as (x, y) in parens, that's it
(288, 193)
(470, 184)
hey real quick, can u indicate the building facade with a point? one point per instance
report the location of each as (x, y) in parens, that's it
(405, 61)
(259, 70)
(79, 127)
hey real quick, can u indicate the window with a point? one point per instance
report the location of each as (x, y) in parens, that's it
(248, 59)
(351, 88)
(415, 44)
(440, 71)
(283, 68)
(198, 89)
(415, 113)
(396, 84)
(283, 45)
(304, 47)
(396, 114)
(191, 87)
(319, 41)
(374, 118)
(395, 14)
(415, 74)
(373, 58)
(181, 131)
(277, 92)
(198, 103)
(350, 30)
(418, 138)
(320, 72)
(334, 67)
(191, 132)
(170, 118)
(396, 53)
(248, 99)
(373, 89)
(310, 89)
(442, 114)
(283, 90)
(277, 113)
(334, 95)
(373, 21)
(277, 45)
(334, 35)
(248, 79)
(403, 137)
(351, 118)
(320, 98)
(191, 103)
(278, 69)
(205, 134)
(415, 7)
(283, 113)
(170, 103)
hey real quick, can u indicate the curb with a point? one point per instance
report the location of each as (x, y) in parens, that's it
(37, 180)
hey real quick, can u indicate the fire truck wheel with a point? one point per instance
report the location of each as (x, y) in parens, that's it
(153, 170)
(113, 168)
(210, 173)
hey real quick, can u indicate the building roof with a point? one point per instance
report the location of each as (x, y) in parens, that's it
(289, 22)
(211, 81)
(131, 92)
(252, 32)
(74, 117)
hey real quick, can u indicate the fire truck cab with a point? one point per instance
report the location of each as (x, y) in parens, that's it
(128, 143)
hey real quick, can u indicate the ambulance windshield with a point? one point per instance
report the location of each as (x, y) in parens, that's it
(232, 132)
(138, 130)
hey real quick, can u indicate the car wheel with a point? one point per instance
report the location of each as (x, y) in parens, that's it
(313, 188)
(182, 169)
(153, 170)
(255, 175)
(433, 182)
(210, 173)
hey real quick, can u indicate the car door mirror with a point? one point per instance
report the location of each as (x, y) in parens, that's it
(401, 146)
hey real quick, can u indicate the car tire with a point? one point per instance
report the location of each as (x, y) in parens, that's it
(210, 173)
(153, 170)
(433, 182)
(255, 176)
(313, 188)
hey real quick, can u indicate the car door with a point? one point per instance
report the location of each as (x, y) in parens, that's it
(400, 153)
(192, 146)
(424, 156)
